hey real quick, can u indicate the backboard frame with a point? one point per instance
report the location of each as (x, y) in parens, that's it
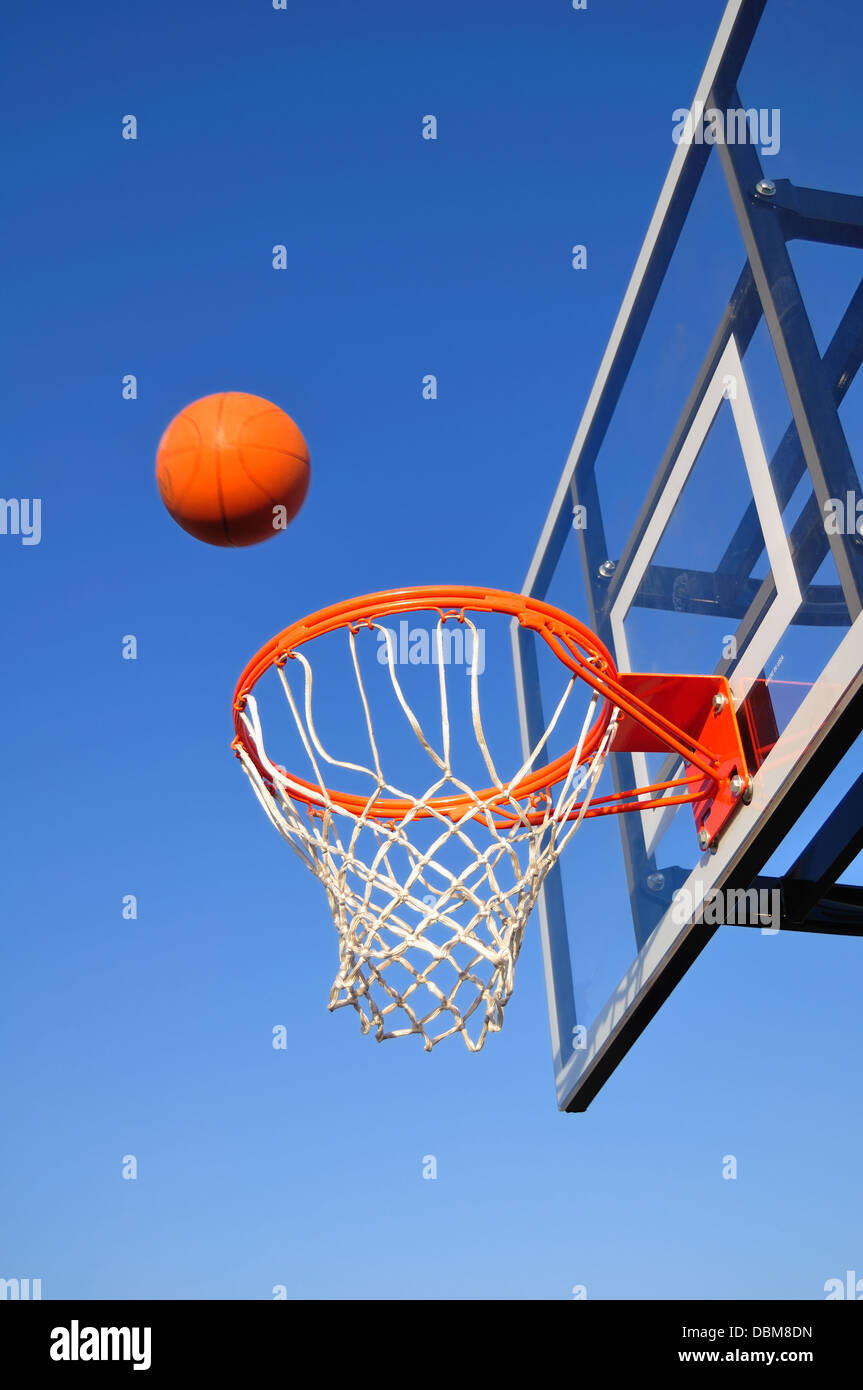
(768, 216)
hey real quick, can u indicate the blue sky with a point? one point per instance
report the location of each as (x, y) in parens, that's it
(303, 1167)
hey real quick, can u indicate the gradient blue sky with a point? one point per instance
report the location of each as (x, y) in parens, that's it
(153, 1037)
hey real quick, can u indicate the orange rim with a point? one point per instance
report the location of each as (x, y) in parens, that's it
(576, 647)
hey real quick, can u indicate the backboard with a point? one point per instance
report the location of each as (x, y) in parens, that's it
(709, 518)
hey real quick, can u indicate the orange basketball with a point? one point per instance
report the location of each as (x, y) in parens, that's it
(232, 469)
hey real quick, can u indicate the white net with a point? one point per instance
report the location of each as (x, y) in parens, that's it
(430, 904)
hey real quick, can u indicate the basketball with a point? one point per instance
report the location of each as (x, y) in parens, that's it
(232, 469)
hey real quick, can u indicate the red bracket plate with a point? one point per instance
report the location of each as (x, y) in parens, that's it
(688, 702)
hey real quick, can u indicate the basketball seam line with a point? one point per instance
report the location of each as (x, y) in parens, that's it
(272, 500)
(219, 472)
(178, 498)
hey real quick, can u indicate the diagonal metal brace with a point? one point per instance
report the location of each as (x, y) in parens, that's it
(813, 214)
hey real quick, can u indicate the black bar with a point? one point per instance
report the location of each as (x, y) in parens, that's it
(835, 845)
(838, 912)
(203, 1343)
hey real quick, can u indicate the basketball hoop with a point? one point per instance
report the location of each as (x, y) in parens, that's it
(431, 892)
